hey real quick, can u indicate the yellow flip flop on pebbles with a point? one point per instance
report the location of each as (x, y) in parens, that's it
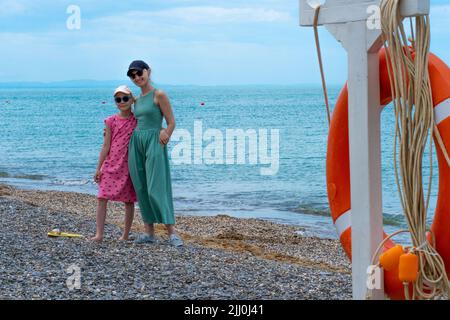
(58, 233)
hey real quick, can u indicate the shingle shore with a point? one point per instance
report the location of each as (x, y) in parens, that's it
(223, 257)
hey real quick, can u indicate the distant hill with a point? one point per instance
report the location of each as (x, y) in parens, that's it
(81, 84)
(115, 83)
(65, 84)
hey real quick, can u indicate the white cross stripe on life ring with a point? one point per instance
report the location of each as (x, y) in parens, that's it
(343, 222)
(442, 111)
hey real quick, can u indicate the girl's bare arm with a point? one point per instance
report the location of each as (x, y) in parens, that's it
(104, 151)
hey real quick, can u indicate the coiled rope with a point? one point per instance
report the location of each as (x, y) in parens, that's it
(414, 113)
(413, 107)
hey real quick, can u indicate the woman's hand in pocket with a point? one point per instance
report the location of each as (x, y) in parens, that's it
(163, 137)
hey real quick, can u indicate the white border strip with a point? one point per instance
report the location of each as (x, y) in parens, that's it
(442, 111)
(343, 222)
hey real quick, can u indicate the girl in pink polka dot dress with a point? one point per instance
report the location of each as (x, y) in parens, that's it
(112, 176)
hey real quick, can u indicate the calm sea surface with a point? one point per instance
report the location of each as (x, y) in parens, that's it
(51, 137)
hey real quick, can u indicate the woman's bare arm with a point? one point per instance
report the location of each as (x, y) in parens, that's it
(166, 109)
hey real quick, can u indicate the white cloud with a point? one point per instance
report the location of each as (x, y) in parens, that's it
(195, 44)
(195, 23)
(208, 14)
(173, 61)
(201, 15)
(10, 7)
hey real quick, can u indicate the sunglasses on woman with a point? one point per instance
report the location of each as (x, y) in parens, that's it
(123, 99)
(138, 73)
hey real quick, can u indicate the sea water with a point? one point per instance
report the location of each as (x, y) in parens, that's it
(51, 138)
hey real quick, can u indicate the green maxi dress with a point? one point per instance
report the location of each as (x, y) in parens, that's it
(148, 163)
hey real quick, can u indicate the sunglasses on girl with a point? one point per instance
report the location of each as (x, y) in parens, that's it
(138, 73)
(124, 99)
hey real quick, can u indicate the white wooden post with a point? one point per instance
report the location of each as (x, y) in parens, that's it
(347, 21)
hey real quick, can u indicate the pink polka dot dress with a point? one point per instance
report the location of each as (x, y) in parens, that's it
(115, 182)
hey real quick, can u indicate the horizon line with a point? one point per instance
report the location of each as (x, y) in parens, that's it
(99, 82)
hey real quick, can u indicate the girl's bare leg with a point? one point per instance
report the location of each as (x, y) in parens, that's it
(129, 216)
(101, 217)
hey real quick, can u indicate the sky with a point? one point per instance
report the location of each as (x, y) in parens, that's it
(185, 42)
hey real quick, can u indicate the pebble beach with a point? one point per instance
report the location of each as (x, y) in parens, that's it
(223, 257)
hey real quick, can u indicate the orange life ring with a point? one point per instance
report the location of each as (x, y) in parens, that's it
(338, 168)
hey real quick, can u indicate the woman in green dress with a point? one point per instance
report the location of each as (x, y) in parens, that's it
(148, 159)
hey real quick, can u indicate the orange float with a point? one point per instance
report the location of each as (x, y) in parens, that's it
(408, 267)
(338, 167)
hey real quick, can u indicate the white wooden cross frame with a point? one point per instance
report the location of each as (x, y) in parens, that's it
(347, 21)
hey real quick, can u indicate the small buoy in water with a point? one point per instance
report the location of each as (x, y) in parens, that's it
(103, 102)
(202, 103)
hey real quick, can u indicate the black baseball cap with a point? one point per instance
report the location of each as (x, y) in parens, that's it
(138, 65)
